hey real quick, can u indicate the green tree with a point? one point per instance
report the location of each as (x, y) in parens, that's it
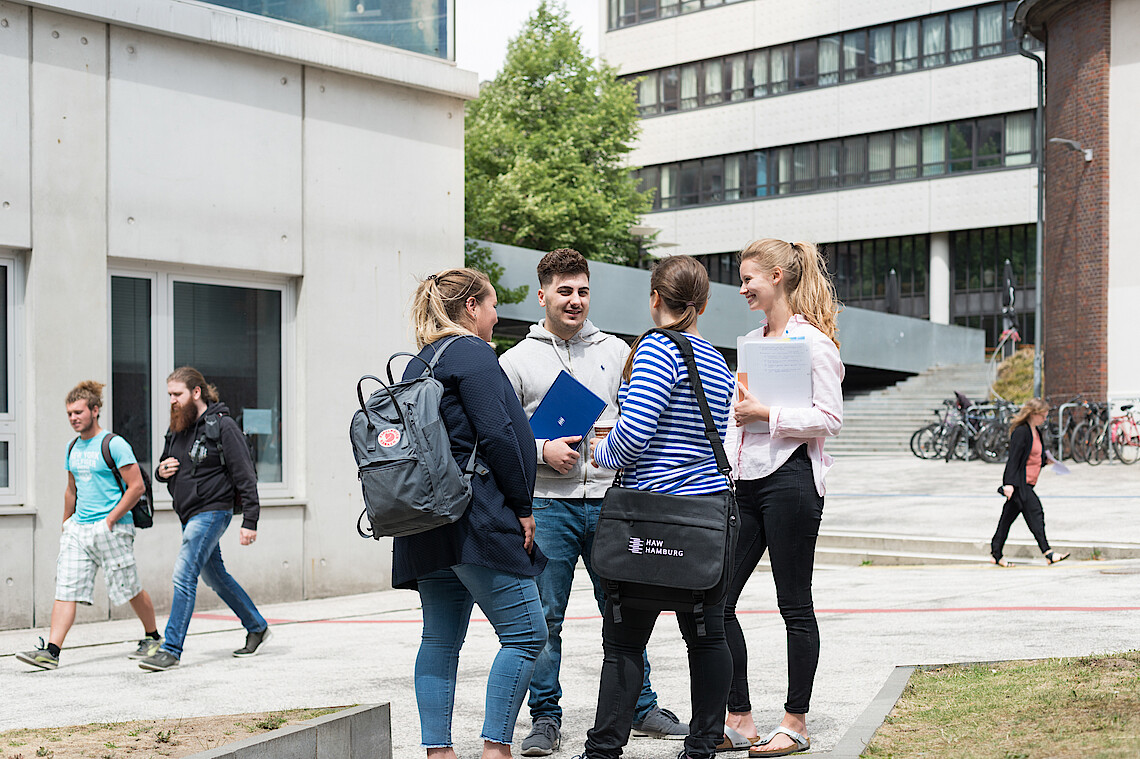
(545, 148)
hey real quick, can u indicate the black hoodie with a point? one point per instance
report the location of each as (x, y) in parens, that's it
(211, 486)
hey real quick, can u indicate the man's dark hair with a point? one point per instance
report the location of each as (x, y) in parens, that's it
(561, 262)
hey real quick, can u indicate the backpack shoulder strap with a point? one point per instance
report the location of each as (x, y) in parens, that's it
(106, 447)
(711, 433)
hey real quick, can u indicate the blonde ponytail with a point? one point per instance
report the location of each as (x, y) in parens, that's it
(807, 284)
(439, 303)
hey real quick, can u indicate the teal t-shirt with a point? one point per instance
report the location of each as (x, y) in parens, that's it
(96, 492)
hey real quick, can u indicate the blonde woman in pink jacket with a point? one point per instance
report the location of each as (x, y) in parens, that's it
(780, 480)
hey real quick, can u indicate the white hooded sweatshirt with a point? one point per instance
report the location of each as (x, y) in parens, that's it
(592, 357)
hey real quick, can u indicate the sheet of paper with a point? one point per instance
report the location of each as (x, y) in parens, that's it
(1058, 467)
(775, 370)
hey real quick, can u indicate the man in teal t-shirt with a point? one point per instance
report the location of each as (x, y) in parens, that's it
(98, 530)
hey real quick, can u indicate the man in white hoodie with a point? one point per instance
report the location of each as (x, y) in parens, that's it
(567, 492)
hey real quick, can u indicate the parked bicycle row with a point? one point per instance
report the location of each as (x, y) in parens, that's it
(1080, 430)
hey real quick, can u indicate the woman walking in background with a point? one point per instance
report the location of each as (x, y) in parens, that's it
(780, 481)
(1026, 458)
(488, 556)
(659, 444)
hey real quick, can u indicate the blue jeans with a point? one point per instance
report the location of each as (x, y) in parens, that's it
(200, 554)
(512, 606)
(565, 530)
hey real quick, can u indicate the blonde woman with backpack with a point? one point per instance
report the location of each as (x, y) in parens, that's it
(780, 480)
(488, 556)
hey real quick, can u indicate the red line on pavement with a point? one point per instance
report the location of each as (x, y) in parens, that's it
(959, 609)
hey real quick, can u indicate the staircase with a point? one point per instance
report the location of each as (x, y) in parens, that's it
(881, 421)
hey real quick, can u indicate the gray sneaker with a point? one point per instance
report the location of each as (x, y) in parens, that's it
(545, 738)
(41, 657)
(253, 642)
(160, 662)
(147, 647)
(660, 723)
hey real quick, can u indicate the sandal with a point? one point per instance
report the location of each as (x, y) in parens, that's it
(1053, 557)
(1003, 563)
(734, 741)
(800, 743)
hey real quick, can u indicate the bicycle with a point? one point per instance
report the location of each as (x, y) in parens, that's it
(1125, 433)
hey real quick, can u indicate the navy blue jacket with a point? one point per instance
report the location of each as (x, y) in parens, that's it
(478, 399)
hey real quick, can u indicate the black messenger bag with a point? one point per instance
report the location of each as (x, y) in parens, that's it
(660, 551)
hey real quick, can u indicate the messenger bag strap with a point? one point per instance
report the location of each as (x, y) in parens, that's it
(713, 436)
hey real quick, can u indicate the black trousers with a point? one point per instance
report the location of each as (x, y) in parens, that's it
(1026, 503)
(780, 513)
(710, 669)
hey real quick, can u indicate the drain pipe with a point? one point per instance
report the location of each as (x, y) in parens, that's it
(1021, 32)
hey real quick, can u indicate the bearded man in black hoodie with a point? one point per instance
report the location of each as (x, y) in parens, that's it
(208, 470)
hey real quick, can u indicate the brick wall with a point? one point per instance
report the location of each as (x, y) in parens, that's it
(1076, 201)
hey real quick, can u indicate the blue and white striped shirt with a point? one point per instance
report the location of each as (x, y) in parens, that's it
(659, 440)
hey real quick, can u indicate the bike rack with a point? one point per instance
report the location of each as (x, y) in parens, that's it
(1061, 429)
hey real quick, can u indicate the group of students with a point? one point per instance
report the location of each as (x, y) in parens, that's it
(534, 514)
(209, 471)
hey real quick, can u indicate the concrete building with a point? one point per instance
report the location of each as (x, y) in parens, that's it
(1092, 258)
(185, 183)
(899, 134)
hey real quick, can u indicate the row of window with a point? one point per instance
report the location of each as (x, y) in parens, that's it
(979, 144)
(929, 42)
(861, 271)
(628, 12)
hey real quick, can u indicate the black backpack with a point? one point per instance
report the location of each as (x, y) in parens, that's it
(143, 510)
(410, 480)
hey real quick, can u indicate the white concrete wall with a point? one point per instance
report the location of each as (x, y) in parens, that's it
(162, 149)
(938, 205)
(1123, 222)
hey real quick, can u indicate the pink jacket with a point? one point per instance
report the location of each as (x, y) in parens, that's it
(754, 455)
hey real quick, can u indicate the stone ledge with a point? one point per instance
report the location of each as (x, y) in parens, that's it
(362, 732)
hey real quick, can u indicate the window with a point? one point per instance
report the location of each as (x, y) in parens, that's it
(879, 54)
(669, 186)
(714, 82)
(961, 146)
(712, 180)
(758, 172)
(988, 136)
(906, 154)
(854, 55)
(854, 161)
(906, 46)
(933, 150)
(758, 73)
(690, 183)
(783, 170)
(803, 167)
(689, 77)
(670, 90)
(879, 157)
(780, 58)
(934, 41)
(807, 63)
(990, 30)
(647, 94)
(961, 36)
(1018, 139)
(735, 83)
(829, 61)
(733, 176)
(830, 164)
(234, 333)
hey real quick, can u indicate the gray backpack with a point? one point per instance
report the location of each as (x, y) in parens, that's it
(410, 479)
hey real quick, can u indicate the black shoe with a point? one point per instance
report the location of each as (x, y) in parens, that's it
(545, 738)
(253, 642)
(160, 662)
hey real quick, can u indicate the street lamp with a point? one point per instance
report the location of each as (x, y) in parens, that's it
(1074, 145)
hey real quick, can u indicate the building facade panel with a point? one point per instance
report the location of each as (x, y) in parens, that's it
(1124, 225)
(984, 200)
(15, 126)
(205, 155)
(383, 191)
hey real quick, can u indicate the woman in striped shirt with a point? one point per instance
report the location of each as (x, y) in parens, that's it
(660, 446)
(780, 479)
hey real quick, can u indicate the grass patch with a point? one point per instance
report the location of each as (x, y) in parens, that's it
(143, 739)
(1015, 377)
(1058, 708)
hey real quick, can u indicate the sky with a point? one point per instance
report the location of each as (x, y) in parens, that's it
(483, 28)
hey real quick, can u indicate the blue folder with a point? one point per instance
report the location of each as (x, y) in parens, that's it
(568, 408)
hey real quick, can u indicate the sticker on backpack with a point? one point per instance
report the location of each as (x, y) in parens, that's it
(388, 437)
